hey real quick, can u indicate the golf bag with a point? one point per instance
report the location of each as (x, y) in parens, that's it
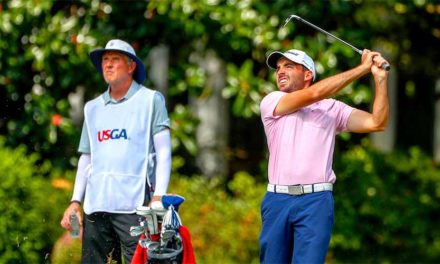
(162, 237)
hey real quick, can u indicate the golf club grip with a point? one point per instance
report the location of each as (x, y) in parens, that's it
(386, 66)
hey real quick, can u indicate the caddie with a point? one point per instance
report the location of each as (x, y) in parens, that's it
(125, 159)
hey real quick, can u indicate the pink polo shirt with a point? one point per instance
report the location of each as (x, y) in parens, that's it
(301, 144)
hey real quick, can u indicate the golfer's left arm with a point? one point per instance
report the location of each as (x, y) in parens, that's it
(364, 122)
(162, 145)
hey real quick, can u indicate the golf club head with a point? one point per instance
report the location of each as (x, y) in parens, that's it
(153, 245)
(136, 230)
(289, 18)
(148, 244)
(167, 234)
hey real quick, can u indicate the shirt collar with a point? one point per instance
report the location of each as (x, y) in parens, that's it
(134, 87)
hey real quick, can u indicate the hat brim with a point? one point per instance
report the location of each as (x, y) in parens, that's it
(273, 58)
(139, 74)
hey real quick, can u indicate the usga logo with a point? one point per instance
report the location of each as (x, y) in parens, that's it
(112, 134)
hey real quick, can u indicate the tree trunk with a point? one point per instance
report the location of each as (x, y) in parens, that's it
(158, 60)
(212, 111)
(76, 101)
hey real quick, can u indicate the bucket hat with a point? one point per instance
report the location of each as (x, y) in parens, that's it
(120, 46)
(294, 55)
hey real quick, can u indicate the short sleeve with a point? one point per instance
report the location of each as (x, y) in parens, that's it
(84, 143)
(160, 117)
(268, 105)
(343, 112)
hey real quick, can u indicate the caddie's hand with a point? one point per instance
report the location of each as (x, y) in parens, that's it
(74, 208)
(156, 202)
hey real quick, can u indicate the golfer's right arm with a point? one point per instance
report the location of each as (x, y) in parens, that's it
(325, 88)
(78, 191)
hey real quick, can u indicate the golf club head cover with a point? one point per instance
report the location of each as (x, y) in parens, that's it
(174, 200)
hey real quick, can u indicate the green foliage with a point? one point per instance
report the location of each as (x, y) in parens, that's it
(246, 90)
(386, 207)
(30, 214)
(224, 226)
(43, 55)
(184, 127)
(44, 47)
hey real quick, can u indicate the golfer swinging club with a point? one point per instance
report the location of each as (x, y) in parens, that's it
(300, 125)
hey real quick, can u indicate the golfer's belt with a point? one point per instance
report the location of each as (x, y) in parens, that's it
(300, 189)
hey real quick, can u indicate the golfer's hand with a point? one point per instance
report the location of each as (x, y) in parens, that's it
(376, 68)
(74, 208)
(367, 60)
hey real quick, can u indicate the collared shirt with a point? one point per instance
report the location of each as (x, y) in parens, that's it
(134, 87)
(160, 117)
(301, 144)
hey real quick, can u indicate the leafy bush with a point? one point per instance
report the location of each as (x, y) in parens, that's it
(387, 207)
(224, 226)
(30, 209)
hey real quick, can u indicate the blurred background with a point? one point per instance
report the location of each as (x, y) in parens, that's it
(208, 58)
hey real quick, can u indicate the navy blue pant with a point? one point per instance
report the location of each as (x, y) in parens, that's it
(107, 236)
(296, 229)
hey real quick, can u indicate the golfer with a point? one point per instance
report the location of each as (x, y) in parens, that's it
(125, 157)
(300, 125)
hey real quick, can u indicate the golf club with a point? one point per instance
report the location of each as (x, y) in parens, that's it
(384, 66)
(136, 230)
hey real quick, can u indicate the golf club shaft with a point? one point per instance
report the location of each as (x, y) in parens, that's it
(384, 66)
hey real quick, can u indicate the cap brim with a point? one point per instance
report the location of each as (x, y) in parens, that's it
(139, 75)
(273, 58)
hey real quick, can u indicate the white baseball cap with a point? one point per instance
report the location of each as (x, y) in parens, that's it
(294, 55)
(121, 46)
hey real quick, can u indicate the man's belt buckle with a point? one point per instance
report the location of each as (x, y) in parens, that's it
(296, 189)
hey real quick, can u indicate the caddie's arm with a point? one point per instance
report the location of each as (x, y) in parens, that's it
(162, 145)
(78, 192)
